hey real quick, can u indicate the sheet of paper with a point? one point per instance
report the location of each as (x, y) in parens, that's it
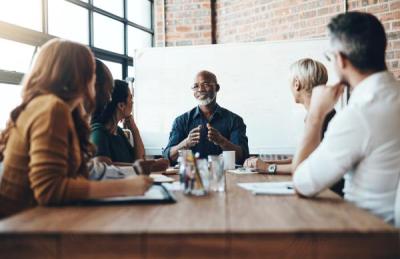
(272, 188)
(175, 186)
(242, 170)
(171, 171)
(159, 178)
(154, 193)
(127, 170)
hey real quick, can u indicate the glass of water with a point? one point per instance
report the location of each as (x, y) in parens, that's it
(202, 166)
(217, 174)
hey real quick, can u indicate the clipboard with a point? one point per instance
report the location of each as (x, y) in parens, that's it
(155, 195)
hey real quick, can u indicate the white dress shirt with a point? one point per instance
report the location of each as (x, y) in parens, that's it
(362, 144)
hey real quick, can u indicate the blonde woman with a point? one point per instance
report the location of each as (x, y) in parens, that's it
(45, 145)
(305, 75)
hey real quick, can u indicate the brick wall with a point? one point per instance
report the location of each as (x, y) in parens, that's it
(388, 11)
(257, 20)
(188, 22)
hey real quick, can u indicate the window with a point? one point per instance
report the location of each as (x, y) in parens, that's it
(22, 13)
(77, 27)
(113, 29)
(114, 6)
(108, 33)
(137, 39)
(131, 72)
(115, 68)
(8, 101)
(15, 56)
(139, 12)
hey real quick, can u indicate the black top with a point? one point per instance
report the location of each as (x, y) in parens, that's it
(116, 147)
(337, 187)
(328, 118)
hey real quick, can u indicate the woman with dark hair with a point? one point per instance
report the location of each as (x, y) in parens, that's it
(100, 170)
(113, 146)
(103, 86)
(45, 146)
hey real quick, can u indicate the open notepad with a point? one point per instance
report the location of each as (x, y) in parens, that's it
(272, 188)
(156, 194)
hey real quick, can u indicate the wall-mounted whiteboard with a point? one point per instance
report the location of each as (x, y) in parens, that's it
(254, 84)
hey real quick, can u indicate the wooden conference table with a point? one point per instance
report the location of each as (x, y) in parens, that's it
(235, 224)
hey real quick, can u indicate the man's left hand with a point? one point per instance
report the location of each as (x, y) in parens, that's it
(214, 136)
(324, 98)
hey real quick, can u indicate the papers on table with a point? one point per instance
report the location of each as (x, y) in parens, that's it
(175, 186)
(171, 171)
(156, 194)
(159, 178)
(271, 188)
(242, 170)
(126, 170)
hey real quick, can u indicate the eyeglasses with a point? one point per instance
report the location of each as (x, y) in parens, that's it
(206, 85)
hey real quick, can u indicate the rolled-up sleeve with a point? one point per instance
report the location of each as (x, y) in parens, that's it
(238, 137)
(343, 146)
(176, 135)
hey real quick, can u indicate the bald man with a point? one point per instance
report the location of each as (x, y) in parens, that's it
(208, 128)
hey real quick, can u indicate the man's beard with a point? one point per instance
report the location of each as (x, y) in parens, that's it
(206, 101)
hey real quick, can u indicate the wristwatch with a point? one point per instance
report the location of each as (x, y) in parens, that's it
(272, 168)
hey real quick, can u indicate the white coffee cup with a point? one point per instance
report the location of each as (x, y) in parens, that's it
(229, 160)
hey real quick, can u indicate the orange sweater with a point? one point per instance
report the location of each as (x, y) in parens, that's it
(42, 158)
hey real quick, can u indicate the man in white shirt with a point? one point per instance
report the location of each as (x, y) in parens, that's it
(362, 142)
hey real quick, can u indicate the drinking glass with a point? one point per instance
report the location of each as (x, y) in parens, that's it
(217, 174)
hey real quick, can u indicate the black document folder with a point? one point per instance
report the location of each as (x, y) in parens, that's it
(156, 194)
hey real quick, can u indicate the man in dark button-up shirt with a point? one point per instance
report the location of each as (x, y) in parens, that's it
(208, 128)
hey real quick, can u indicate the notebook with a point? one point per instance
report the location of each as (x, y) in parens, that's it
(156, 194)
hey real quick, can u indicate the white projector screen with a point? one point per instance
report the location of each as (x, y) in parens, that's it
(254, 84)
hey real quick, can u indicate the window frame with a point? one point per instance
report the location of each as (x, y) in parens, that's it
(32, 37)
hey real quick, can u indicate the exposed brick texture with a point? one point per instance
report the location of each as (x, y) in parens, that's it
(388, 11)
(188, 22)
(258, 20)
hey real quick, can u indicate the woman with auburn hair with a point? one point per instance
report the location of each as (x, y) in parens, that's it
(45, 146)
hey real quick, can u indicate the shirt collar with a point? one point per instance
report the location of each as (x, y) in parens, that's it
(217, 110)
(370, 86)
